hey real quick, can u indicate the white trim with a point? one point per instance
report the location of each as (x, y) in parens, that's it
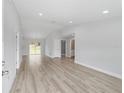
(100, 70)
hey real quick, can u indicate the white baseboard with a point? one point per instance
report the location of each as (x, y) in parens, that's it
(101, 70)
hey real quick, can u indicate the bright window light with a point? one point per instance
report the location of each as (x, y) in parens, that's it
(35, 49)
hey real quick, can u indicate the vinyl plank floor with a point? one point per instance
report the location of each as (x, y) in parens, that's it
(45, 75)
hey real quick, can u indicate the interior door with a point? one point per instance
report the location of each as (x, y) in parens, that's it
(63, 48)
(72, 49)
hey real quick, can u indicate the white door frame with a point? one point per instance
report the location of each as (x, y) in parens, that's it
(17, 50)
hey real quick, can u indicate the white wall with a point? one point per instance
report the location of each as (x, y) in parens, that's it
(53, 45)
(101, 46)
(11, 25)
(98, 45)
(19, 48)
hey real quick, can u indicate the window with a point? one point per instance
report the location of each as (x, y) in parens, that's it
(35, 49)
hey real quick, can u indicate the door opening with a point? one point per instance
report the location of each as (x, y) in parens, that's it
(73, 49)
(63, 48)
(35, 48)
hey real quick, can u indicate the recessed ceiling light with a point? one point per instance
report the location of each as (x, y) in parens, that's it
(105, 12)
(70, 21)
(40, 14)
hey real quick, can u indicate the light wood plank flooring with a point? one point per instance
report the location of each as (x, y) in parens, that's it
(44, 75)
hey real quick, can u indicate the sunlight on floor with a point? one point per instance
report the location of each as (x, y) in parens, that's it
(35, 60)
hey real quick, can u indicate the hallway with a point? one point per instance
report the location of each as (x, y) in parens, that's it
(62, 46)
(45, 75)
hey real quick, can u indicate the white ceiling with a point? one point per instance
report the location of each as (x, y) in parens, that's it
(58, 13)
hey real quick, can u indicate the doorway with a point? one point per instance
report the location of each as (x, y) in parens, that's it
(73, 49)
(63, 48)
(35, 48)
